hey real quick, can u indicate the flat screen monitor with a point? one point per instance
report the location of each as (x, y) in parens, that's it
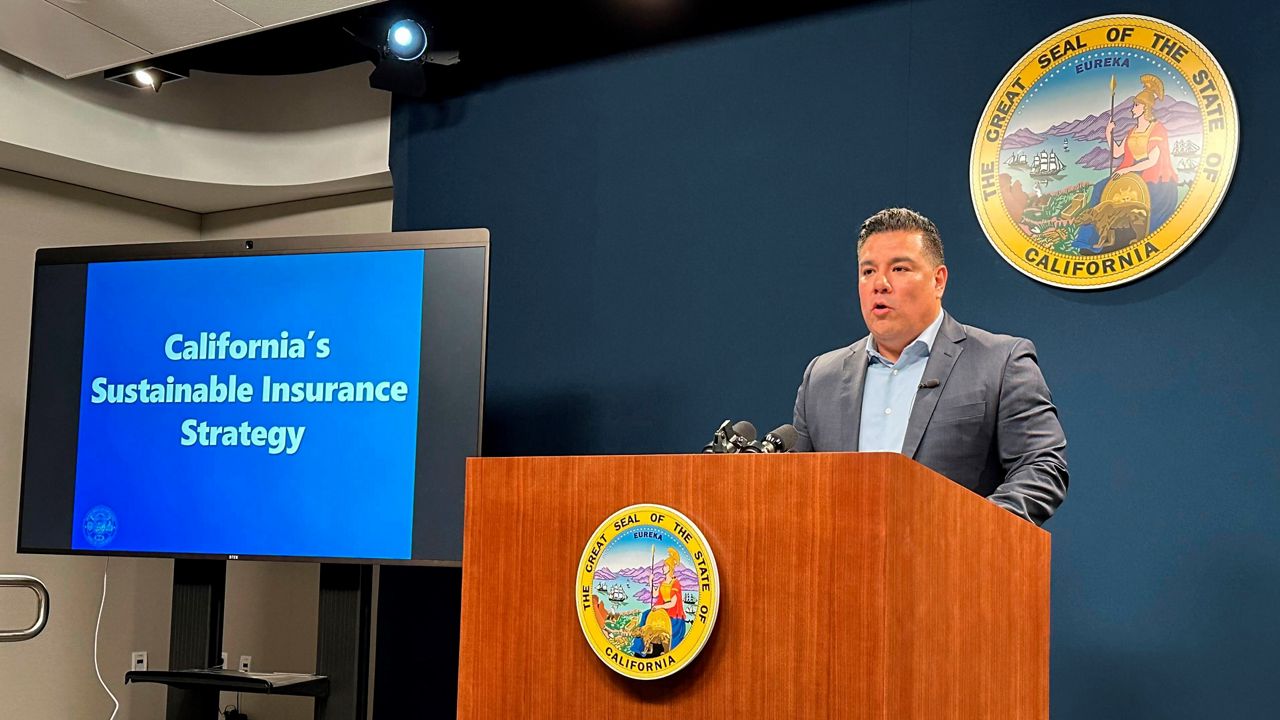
(310, 398)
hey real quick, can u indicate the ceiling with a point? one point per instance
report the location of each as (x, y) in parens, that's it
(71, 38)
(260, 65)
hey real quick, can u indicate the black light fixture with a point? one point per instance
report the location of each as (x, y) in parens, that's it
(401, 57)
(144, 76)
(406, 40)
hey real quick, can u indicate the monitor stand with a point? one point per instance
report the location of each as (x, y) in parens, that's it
(195, 633)
(342, 647)
(342, 640)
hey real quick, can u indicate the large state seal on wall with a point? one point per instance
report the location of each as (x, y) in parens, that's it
(1104, 152)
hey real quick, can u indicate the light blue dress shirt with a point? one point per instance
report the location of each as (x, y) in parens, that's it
(889, 392)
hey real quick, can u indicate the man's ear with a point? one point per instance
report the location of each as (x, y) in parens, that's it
(940, 280)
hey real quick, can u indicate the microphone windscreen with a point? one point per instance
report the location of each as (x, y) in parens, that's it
(745, 429)
(787, 436)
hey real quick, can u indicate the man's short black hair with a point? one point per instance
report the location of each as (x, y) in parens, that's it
(891, 219)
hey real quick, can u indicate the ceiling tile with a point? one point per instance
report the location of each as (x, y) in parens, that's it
(276, 12)
(63, 44)
(160, 26)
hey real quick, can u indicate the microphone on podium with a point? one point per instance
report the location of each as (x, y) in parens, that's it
(778, 440)
(731, 437)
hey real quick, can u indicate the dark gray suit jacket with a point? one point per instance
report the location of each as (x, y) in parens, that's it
(990, 425)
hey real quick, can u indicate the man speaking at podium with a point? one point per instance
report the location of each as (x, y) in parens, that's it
(969, 404)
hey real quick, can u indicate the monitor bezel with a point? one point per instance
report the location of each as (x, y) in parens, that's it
(251, 247)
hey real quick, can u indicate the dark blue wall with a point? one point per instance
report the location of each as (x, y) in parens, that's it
(672, 241)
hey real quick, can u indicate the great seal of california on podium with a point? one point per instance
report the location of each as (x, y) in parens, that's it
(648, 591)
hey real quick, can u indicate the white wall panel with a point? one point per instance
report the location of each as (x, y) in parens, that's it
(213, 142)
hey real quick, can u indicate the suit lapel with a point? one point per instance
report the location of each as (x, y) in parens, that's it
(942, 358)
(850, 400)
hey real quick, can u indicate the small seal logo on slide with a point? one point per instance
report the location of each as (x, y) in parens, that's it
(648, 591)
(1104, 152)
(100, 526)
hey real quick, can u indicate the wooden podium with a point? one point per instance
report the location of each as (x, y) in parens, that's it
(854, 585)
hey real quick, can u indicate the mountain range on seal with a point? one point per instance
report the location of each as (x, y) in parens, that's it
(1179, 118)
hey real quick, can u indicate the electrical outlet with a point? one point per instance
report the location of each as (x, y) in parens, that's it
(224, 661)
(140, 660)
(245, 663)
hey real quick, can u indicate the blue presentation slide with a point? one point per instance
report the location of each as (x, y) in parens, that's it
(251, 405)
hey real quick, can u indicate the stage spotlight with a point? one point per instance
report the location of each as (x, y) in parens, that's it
(400, 54)
(145, 77)
(406, 40)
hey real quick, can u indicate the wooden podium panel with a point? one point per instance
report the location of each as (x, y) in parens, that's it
(853, 586)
